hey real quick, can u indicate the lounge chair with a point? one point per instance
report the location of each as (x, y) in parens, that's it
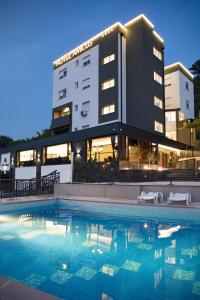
(146, 196)
(176, 197)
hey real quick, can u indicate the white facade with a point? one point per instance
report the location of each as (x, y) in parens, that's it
(64, 170)
(179, 93)
(25, 172)
(84, 99)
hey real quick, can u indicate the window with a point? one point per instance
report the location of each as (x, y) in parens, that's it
(157, 53)
(170, 116)
(86, 83)
(62, 73)
(62, 94)
(181, 116)
(108, 109)
(85, 108)
(157, 77)
(102, 149)
(172, 135)
(76, 85)
(108, 59)
(76, 63)
(108, 84)
(85, 126)
(158, 102)
(62, 112)
(187, 104)
(57, 154)
(26, 158)
(187, 85)
(158, 127)
(86, 61)
(76, 107)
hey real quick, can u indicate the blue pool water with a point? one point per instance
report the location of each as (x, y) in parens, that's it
(102, 251)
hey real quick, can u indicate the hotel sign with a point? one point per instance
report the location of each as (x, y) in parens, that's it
(73, 53)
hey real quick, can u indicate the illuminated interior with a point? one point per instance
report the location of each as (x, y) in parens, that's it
(62, 112)
(26, 158)
(57, 154)
(102, 149)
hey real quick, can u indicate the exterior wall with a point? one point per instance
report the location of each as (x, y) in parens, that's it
(186, 95)
(77, 95)
(141, 86)
(120, 191)
(172, 91)
(65, 171)
(176, 94)
(25, 173)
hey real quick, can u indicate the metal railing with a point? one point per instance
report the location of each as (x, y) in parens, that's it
(12, 188)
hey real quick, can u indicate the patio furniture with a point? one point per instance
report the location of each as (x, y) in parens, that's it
(176, 197)
(155, 196)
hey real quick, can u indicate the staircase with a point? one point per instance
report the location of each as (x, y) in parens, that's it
(179, 175)
(21, 188)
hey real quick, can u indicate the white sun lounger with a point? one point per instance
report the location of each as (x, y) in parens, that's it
(146, 196)
(180, 197)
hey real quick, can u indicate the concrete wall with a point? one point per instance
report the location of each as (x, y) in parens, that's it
(25, 173)
(65, 171)
(129, 192)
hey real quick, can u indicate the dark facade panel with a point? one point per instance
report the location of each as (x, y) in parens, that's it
(106, 72)
(141, 86)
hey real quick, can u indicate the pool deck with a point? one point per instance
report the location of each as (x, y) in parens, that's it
(118, 193)
(13, 290)
(96, 200)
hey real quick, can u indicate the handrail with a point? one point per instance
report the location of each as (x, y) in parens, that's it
(10, 188)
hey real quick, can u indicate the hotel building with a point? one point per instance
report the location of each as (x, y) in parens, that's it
(109, 110)
(179, 101)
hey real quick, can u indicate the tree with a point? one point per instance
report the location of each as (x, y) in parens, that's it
(195, 70)
(5, 141)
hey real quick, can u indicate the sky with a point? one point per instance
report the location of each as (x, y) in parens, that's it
(33, 33)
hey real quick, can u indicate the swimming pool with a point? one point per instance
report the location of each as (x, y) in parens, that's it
(77, 250)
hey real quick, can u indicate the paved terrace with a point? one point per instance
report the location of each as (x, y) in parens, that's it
(119, 193)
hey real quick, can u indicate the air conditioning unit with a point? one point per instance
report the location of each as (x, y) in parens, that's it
(84, 113)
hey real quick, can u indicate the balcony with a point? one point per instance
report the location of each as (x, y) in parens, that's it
(61, 122)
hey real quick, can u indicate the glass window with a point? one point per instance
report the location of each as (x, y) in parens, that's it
(158, 126)
(157, 77)
(86, 60)
(26, 158)
(62, 73)
(157, 53)
(76, 63)
(62, 112)
(158, 102)
(62, 94)
(108, 59)
(76, 85)
(85, 108)
(170, 116)
(108, 109)
(102, 149)
(187, 85)
(187, 104)
(108, 84)
(57, 154)
(86, 83)
(172, 135)
(181, 116)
